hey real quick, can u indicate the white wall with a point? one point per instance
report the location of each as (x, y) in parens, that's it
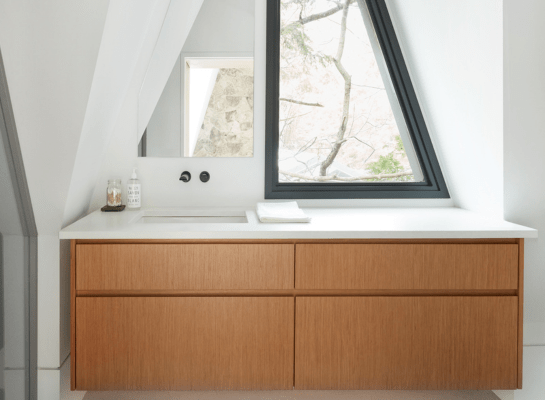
(65, 111)
(533, 373)
(143, 27)
(524, 168)
(454, 51)
(524, 142)
(50, 50)
(130, 33)
(240, 182)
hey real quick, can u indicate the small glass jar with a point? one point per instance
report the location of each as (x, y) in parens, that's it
(113, 193)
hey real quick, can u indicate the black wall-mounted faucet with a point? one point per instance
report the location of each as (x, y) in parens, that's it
(186, 177)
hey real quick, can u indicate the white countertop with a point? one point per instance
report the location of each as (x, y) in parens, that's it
(327, 223)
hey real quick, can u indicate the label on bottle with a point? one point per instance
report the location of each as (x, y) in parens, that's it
(133, 195)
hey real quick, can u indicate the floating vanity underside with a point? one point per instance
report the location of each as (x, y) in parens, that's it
(241, 314)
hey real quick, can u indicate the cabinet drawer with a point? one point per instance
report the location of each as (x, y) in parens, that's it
(408, 343)
(407, 266)
(184, 266)
(191, 343)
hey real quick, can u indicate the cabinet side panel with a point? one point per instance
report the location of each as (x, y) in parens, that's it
(406, 343)
(72, 315)
(520, 311)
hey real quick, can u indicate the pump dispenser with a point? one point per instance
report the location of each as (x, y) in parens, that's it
(134, 193)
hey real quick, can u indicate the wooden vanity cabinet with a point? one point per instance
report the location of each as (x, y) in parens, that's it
(432, 266)
(406, 343)
(303, 314)
(200, 266)
(184, 343)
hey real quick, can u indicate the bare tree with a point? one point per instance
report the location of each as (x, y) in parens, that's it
(347, 89)
(301, 102)
(343, 179)
(298, 44)
(317, 16)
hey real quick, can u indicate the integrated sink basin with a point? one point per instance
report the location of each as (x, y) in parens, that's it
(193, 218)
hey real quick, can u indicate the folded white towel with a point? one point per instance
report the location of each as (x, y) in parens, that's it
(287, 211)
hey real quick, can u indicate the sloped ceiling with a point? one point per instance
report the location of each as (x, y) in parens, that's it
(50, 50)
(131, 30)
(141, 43)
(70, 65)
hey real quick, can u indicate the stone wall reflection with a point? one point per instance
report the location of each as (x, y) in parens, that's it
(228, 129)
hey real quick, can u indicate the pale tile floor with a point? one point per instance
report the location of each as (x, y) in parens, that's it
(66, 394)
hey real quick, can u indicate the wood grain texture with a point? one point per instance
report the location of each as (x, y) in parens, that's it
(185, 343)
(406, 266)
(390, 343)
(184, 266)
(520, 311)
(299, 241)
(291, 292)
(137, 290)
(73, 315)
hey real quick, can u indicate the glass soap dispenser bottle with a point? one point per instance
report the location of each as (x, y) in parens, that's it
(134, 194)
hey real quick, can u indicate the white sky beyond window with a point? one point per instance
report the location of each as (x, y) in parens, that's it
(340, 120)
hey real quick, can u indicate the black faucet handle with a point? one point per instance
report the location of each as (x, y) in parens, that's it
(205, 176)
(185, 177)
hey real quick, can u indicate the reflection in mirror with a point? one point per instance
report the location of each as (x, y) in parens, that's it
(220, 109)
(206, 108)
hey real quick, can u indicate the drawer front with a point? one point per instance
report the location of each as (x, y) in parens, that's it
(407, 266)
(184, 266)
(191, 343)
(406, 343)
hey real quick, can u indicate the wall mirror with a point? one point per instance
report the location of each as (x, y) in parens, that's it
(206, 108)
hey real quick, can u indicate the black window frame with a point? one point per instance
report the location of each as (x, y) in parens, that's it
(433, 186)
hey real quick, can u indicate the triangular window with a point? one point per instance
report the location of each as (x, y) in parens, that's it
(343, 120)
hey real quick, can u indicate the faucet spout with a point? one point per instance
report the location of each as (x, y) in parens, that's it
(185, 177)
